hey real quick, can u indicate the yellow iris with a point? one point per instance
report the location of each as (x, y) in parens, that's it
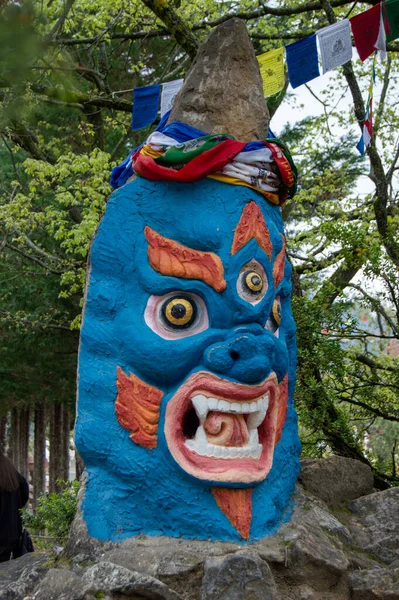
(253, 281)
(179, 311)
(276, 311)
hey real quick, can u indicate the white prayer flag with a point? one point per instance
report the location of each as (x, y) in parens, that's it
(381, 43)
(335, 45)
(169, 92)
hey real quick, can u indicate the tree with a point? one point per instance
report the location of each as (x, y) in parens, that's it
(66, 121)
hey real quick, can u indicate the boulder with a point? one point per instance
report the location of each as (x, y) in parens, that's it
(60, 584)
(336, 479)
(240, 576)
(236, 105)
(108, 578)
(375, 584)
(375, 527)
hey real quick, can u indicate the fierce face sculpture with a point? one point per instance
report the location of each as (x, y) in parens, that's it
(187, 365)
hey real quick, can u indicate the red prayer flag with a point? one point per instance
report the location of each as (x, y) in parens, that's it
(365, 28)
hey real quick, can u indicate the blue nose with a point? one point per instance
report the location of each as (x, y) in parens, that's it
(244, 357)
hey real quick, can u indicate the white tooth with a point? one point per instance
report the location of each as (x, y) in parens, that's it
(235, 407)
(217, 451)
(212, 403)
(253, 438)
(224, 406)
(190, 444)
(255, 419)
(241, 452)
(253, 407)
(234, 452)
(201, 406)
(246, 407)
(200, 440)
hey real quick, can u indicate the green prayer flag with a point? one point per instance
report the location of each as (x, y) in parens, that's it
(393, 19)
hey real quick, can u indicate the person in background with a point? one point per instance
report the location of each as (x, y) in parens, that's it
(14, 494)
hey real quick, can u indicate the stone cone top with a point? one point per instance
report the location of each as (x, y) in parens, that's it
(222, 92)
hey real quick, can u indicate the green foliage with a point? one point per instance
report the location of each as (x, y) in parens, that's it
(54, 513)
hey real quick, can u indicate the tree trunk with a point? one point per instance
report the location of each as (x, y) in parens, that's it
(55, 446)
(23, 467)
(39, 470)
(79, 465)
(14, 438)
(3, 434)
(66, 431)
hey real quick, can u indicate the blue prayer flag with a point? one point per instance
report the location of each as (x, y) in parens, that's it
(145, 106)
(302, 61)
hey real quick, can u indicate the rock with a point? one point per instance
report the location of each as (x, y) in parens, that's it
(11, 570)
(240, 576)
(313, 559)
(107, 577)
(375, 584)
(60, 584)
(337, 479)
(376, 526)
(236, 105)
(25, 583)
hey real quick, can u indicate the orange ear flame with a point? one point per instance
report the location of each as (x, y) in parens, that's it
(168, 257)
(279, 264)
(137, 408)
(252, 225)
(282, 408)
(236, 504)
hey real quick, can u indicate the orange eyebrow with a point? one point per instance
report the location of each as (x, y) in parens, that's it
(252, 225)
(168, 257)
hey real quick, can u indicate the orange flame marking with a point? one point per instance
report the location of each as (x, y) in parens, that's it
(237, 506)
(137, 408)
(168, 257)
(279, 264)
(252, 225)
(282, 407)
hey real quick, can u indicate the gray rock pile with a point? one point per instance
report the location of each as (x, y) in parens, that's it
(341, 543)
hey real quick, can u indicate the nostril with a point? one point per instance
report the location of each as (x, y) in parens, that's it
(234, 354)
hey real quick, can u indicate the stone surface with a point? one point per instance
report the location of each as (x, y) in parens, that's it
(375, 584)
(19, 588)
(235, 105)
(11, 570)
(109, 578)
(376, 524)
(241, 576)
(60, 584)
(336, 479)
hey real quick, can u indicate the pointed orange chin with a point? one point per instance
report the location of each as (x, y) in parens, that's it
(137, 408)
(237, 506)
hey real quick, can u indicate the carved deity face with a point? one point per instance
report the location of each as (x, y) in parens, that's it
(187, 365)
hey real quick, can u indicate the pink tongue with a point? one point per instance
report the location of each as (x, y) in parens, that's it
(226, 429)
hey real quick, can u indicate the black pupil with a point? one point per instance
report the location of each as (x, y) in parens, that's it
(178, 311)
(255, 280)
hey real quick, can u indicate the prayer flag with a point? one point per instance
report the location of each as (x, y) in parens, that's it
(365, 28)
(392, 11)
(169, 92)
(271, 65)
(302, 61)
(381, 43)
(145, 106)
(367, 128)
(335, 45)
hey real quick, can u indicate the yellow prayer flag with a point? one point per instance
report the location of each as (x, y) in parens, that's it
(271, 65)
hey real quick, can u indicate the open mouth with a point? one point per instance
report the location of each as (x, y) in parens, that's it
(219, 430)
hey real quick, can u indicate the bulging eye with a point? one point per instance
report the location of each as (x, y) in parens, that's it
(252, 282)
(273, 322)
(179, 312)
(176, 315)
